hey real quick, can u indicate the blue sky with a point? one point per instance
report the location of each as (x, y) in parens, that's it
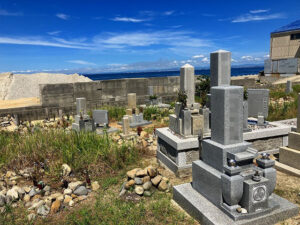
(104, 36)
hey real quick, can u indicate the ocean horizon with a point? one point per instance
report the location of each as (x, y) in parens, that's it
(122, 75)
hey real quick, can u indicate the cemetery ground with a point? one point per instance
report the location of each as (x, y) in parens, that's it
(106, 159)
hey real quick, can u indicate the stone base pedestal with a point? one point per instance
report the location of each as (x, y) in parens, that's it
(127, 136)
(175, 152)
(109, 130)
(207, 213)
(290, 157)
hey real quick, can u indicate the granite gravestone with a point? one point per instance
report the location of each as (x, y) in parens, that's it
(82, 121)
(258, 102)
(220, 68)
(289, 87)
(101, 117)
(131, 100)
(227, 187)
(187, 82)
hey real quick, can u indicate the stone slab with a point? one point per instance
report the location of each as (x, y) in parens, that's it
(206, 213)
(279, 130)
(290, 157)
(109, 130)
(140, 124)
(180, 171)
(287, 169)
(294, 141)
(176, 141)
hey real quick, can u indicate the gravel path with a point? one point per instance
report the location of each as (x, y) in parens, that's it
(15, 86)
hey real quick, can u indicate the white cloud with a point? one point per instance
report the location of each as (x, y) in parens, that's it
(128, 19)
(54, 32)
(169, 13)
(205, 60)
(233, 60)
(267, 56)
(138, 39)
(251, 17)
(197, 56)
(82, 62)
(247, 58)
(259, 11)
(62, 16)
(4, 12)
(40, 42)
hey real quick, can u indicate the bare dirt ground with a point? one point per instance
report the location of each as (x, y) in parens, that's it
(22, 102)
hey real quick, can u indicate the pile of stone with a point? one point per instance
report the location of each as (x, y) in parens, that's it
(144, 182)
(42, 199)
(5, 121)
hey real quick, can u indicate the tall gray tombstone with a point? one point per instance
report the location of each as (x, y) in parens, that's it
(289, 87)
(81, 106)
(125, 124)
(187, 82)
(220, 68)
(227, 114)
(150, 90)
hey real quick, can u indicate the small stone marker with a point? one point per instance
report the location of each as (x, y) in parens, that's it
(131, 100)
(125, 123)
(187, 82)
(81, 106)
(289, 87)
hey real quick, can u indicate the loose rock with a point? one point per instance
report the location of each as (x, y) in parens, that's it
(138, 180)
(147, 185)
(139, 190)
(81, 191)
(163, 185)
(31, 216)
(155, 181)
(67, 191)
(141, 173)
(43, 210)
(95, 186)
(55, 207)
(131, 173)
(129, 184)
(74, 185)
(66, 170)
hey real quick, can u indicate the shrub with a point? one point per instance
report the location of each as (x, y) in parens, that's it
(202, 89)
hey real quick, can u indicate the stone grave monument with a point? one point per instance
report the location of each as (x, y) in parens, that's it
(82, 121)
(289, 87)
(291, 155)
(102, 122)
(126, 128)
(258, 104)
(136, 118)
(227, 187)
(178, 144)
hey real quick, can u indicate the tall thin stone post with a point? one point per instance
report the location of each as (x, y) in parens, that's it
(187, 82)
(289, 87)
(220, 68)
(125, 123)
(81, 106)
(131, 98)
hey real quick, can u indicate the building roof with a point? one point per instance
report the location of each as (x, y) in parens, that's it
(290, 27)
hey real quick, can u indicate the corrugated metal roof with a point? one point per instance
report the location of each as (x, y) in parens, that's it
(290, 27)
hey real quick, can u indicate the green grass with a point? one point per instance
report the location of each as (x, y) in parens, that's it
(98, 154)
(156, 211)
(115, 112)
(155, 113)
(288, 109)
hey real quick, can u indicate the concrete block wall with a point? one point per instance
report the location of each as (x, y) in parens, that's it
(97, 93)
